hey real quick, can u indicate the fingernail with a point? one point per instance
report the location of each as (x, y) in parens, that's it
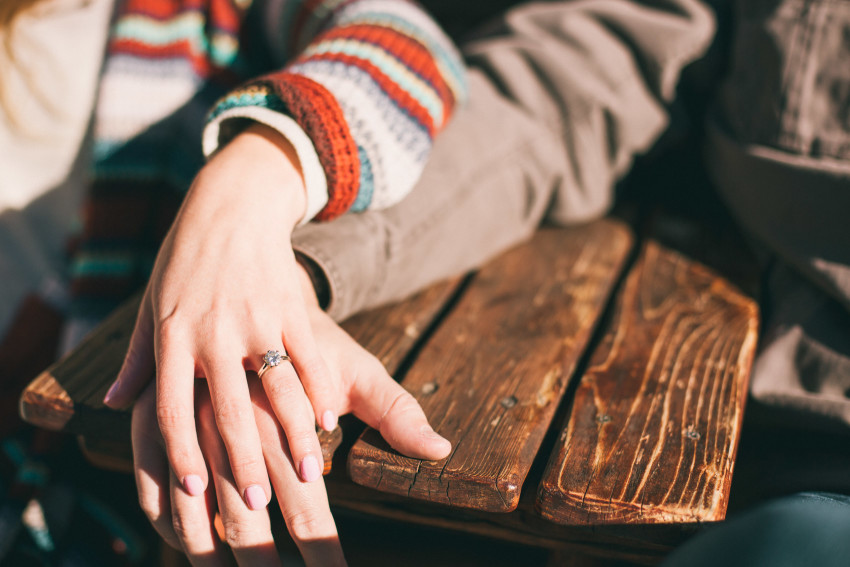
(310, 469)
(432, 435)
(112, 389)
(255, 496)
(328, 420)
(193, 484)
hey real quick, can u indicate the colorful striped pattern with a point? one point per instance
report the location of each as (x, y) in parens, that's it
(167, 62)
(371, 82)
(388, 80)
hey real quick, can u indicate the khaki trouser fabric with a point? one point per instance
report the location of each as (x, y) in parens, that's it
(565, 94)
(562, 96)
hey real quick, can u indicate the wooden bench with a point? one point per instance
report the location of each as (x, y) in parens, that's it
(593, 390)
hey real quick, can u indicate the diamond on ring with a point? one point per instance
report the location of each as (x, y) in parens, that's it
(273, 358)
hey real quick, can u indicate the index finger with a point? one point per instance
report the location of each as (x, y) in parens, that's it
(304, 504)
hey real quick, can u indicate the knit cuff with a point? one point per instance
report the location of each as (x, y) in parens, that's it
(319, 116)
(228, 123)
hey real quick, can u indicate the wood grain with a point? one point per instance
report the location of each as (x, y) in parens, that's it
(493, 374)
(656, 418)
(68, 395)
(638, 544)
(392, 331)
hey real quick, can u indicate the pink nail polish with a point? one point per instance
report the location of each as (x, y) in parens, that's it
(310, 469)
(328, 420)
(112, 389)
(255, 496)
(193, 484)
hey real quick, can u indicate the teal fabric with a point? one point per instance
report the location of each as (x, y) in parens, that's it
(795, 531)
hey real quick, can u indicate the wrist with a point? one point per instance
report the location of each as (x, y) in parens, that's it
(263, 161)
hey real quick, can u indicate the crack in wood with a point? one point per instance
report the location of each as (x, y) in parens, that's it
(415, 475)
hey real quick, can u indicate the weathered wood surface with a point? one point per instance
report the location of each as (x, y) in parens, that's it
(68, 395)
(638, 544)
(493, 374)
(391, 332)
(656, 418)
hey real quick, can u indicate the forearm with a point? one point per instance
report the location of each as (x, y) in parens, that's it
(485, 189)
(365, 88)
(562, 96)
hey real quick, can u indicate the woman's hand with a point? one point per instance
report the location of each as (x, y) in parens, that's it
(224, 290)
(186, 523)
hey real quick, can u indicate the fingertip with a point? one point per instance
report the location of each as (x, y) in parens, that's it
(193, 484)
(309, 469)
(329, 420)
(109, 398)
(255, 497)
(435, 446)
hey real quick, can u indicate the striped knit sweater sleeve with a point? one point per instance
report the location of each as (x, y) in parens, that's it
(368, 85)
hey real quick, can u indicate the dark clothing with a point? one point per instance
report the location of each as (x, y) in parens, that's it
(796, 531)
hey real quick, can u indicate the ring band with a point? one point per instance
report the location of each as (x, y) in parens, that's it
(271, 359)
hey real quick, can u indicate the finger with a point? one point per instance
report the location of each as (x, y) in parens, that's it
(151, 467)
(193, 523)
(304, 505)
(248, 533)
(286, 395)
(310, 366)
(138, 366)
(175, 412)
(235, 418)
(385, 405)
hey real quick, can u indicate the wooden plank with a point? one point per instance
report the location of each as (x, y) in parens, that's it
(392, 332)
(68, 395)
(638, 544)
(493, 374)
(656, 418)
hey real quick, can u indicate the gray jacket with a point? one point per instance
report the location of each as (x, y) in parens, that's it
(564, 95)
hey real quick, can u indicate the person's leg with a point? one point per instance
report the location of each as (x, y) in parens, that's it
(805, 529)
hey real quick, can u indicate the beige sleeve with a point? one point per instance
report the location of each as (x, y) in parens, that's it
(562, 96)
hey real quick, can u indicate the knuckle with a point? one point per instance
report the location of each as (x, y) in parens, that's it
(402, 406)
(238, 532)
(247, 466)
(304, 524)
(404, 403)
(150, 505)
(171, 417)
(302, 441)
(228, 414)
(188, 527)
(218, 333)
(282, 388)
(170, 329)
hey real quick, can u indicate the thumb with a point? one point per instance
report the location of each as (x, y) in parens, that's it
(386, 406)
(138, 366)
